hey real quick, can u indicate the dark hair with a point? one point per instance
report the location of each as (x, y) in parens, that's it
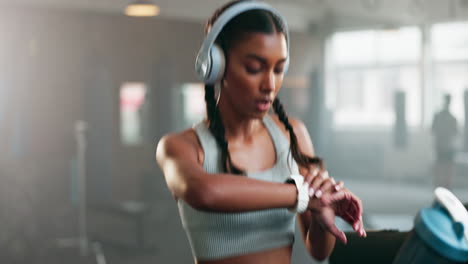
(249, 21)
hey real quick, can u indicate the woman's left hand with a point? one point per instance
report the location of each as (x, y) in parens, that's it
(320, 182)
(347, 206)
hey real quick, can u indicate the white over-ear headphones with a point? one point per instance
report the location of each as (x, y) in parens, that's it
(210, 62)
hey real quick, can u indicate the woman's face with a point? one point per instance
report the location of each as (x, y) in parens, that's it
(254, 73)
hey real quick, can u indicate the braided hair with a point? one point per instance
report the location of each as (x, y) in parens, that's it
(249, 21)
(299, 157)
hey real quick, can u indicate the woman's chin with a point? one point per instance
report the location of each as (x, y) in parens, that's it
(259, 114)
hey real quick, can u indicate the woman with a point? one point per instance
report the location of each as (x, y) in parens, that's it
(230, 173)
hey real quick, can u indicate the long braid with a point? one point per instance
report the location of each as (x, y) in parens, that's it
(299, 157)
(217, 129)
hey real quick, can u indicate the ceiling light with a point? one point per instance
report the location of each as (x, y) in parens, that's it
(142, 8)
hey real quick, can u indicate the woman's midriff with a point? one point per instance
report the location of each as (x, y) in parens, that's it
(272, 256)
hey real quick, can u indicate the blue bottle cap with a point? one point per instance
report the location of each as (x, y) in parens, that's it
(438, 229)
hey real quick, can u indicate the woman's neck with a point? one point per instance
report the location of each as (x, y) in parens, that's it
(236, 125)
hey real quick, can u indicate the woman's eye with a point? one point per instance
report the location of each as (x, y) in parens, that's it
(279, 70)
(253, 70)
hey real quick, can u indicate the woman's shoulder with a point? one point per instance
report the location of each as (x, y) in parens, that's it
(300, 130)
(179, 142)
(299, 127)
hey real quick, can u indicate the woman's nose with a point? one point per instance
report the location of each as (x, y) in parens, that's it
(269, 82)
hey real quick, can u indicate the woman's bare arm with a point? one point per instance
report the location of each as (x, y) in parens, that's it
(177, 156)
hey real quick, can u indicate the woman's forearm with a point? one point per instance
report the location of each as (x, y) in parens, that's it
(318, 242)
(321, 242)
(234, 193)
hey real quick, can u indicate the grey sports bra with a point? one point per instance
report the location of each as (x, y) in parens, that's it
(220, 235)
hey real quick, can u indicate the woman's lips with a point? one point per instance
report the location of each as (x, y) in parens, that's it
(262, 105)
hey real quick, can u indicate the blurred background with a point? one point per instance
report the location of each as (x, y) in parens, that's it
(86, 92)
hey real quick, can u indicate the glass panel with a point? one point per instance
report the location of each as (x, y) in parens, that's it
(366, 68)
(451, 79)
(450, 41)
(409, 81)
(365, 97)
(349, 84)
(194, 102)
(353, 48)
(399, 46)
(132, 98)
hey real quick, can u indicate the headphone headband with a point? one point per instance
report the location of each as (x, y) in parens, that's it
(204, 64)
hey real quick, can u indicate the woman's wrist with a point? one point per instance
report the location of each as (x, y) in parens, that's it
(302, 188)
(314, 205)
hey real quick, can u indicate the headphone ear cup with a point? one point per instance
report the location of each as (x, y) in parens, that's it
(202, 66)
(218, 64)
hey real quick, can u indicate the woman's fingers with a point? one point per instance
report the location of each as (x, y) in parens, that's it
(327, 185)
(330, 198)
(311, 174)
(324, 183)
(339, 185)
(326, 218)
(315, 185)
(340, 235)
(348, 201)
(358, 226)
(325, 174)
(361, 231)
(347, 206)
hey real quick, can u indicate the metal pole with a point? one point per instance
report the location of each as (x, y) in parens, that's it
(82, 241)
(80, 133)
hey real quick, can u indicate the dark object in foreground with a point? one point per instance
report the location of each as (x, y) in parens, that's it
(378, 247)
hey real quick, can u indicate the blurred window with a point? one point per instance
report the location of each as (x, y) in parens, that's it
(450, 41)
(132, 99)
(193, 103)
(366, 68)
(450, 64)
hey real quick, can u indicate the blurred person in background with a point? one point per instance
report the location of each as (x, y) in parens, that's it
(444, 130)
(241, 176)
